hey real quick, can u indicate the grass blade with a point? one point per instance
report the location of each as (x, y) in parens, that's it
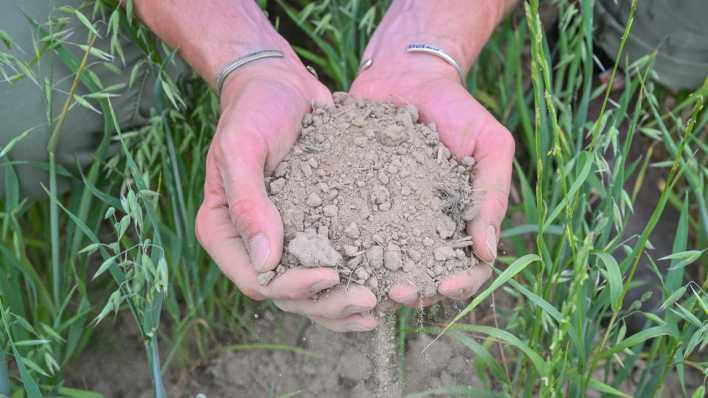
(614, 279)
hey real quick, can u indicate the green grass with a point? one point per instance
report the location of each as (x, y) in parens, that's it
(122, 238)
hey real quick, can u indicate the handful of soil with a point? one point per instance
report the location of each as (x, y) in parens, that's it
(369, 190)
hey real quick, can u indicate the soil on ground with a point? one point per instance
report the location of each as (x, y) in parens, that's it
(371, 191)
(287, 354)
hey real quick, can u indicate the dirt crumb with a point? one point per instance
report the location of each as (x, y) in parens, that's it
(371, 191)
(313, 250)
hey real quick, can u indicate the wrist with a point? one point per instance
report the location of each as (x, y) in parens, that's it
(458, 27)
(251, 32)
(211, 34)
(285, 72)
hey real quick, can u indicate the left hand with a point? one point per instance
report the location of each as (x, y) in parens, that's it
(467, 129)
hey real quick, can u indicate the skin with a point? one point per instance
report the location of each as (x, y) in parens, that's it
(464, 125)
(262, 105)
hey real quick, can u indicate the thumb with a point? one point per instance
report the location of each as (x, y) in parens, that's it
(256, 219)
(494, 153)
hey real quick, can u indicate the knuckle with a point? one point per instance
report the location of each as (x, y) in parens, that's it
(497, 201)
(252, 293)
(244, 210)
(507, 141)
(243, 205)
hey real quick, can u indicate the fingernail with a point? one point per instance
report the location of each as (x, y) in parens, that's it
(355, 309)
(322, 285)
(360, 326)
(492, 241)
(259, 250)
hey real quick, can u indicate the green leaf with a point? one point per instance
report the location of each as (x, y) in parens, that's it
(614, 279)
(674, 279)
(517, 266)
(606, 389)
(482, 355)
(508, 338)
(123, 226)
(74, 393)
(699, 393)
(31, 343)
(85, 21)
(14, 141)
(684, 258)
(638, 338)
(84, 103)
(458, 390)
(105, 266)
(90, 248)
(30, 385)
(585, 169)
(675, 296)
(547, 307)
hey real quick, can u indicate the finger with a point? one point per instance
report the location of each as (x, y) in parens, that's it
(404, 293)
(301, 283)
(408, 295)
(322, 96)
(494, 153)
(466, 283)
(220, 239)
(352, 323)
(256, 219)
(337, 304)
(467, 128)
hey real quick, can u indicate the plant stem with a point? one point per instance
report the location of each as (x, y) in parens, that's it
(51, 149)
(4, 375)
(153, 353)
(54, 232)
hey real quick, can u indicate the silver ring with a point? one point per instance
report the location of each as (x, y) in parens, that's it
(438, 52)
(312, 71)
(365, 64)
(239, 62)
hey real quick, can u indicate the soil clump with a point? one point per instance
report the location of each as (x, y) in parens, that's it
(371, 191)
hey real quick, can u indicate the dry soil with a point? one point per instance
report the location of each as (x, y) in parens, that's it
(371, 191)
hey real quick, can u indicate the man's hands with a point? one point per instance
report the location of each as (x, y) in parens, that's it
(263, 104)
(465, 127)
(262, 108)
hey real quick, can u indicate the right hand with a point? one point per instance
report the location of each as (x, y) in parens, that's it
(262, 107)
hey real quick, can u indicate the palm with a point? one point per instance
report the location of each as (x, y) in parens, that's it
(439, 100)
(238, 224)
(467, 129)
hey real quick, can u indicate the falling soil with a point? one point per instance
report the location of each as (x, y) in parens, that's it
(369, 190)
(384, 357)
